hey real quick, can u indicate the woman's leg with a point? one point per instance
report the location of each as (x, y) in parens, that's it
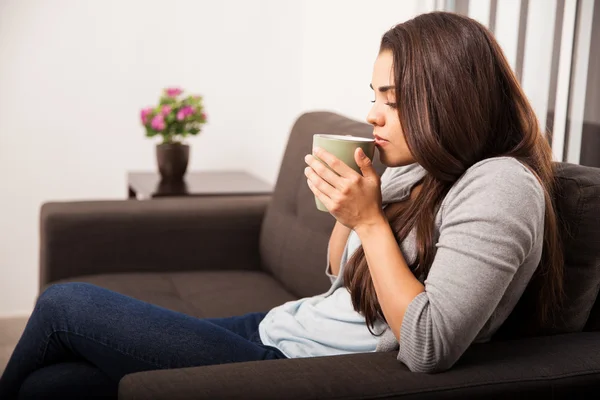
(120, 335)
(68, 380)
(79, 380)
(82, 380)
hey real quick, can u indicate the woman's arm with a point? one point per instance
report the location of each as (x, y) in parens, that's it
(395, 284)
(492, 220)
(337, 243)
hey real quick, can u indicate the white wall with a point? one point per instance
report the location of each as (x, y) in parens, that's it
(341, 41)
(74, 74)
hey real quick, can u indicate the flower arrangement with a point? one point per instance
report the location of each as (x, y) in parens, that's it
(175, 117)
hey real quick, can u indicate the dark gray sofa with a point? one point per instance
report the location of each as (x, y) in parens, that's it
(222, 256)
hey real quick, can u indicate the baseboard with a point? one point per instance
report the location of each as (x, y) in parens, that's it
(15, 314)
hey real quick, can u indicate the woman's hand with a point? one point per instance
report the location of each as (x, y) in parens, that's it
(353, 200)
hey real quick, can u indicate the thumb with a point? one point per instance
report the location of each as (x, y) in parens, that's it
(364, 163)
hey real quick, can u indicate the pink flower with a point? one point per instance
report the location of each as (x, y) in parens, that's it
(184, 112)
(173, 92)
(204, 116)
(166, 110)
(144, 114)
(158, 123)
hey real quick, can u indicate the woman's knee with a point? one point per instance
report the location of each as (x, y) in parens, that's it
(64, 297)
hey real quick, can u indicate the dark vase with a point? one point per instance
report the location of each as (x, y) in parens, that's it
(172, 159)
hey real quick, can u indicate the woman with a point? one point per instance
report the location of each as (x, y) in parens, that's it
(434, 256)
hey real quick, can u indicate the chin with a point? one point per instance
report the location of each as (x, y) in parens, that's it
(398, 161)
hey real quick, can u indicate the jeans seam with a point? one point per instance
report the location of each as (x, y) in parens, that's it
(44, 348)
(101, 343)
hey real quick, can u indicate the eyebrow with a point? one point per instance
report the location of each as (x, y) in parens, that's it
(382, 89)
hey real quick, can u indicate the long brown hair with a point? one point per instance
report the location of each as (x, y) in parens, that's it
(459, 103)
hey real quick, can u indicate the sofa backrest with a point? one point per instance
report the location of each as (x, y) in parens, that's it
(294, 235)
(578, 205)
(578, 210)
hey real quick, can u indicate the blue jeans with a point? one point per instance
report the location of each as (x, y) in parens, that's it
(82, 339)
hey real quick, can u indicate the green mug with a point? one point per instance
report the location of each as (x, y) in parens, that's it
(343, 147)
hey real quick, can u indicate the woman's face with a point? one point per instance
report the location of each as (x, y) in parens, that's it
(389, 137)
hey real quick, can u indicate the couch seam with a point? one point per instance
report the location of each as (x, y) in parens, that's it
(178, 294)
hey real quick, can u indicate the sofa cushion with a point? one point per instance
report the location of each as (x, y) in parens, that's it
(553, 367)
(210, 294)
(294, 235)
(578, 207)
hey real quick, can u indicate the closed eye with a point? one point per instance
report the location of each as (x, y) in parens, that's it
(393, 105)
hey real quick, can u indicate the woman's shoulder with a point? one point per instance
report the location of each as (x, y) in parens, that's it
(498, 180)
(506, 164)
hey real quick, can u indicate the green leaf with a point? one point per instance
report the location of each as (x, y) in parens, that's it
(166, 100)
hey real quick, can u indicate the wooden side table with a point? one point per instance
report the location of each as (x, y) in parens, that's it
(148, 185)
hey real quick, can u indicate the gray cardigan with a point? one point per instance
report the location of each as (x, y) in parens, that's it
(490, 229)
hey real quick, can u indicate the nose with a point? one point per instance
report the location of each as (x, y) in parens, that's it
(374, 117)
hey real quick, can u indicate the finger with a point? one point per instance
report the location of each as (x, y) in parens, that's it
(364, 163)
(334, 163)
(325, 173)
(320, 195)
(319, 183)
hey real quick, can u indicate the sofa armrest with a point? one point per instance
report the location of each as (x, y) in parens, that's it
(171, 234)
(547, 367)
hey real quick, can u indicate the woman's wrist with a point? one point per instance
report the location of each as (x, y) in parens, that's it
(371, 225)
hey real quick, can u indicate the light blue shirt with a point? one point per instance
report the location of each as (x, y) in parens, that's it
(322, 325)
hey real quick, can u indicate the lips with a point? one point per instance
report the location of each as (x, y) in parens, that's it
(379, 141)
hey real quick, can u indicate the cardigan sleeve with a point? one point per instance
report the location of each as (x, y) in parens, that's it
(491, 221)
